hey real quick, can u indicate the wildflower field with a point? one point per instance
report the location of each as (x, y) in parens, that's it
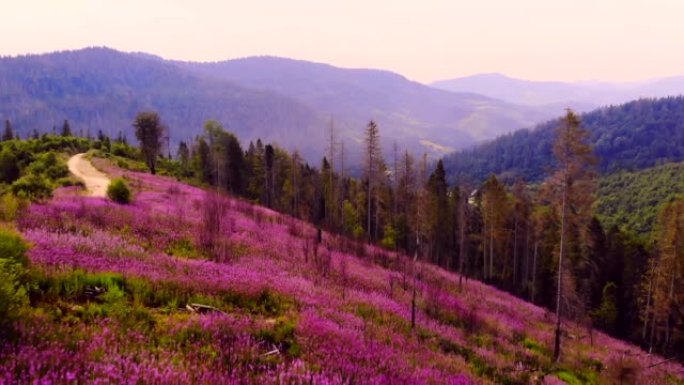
(281, 306)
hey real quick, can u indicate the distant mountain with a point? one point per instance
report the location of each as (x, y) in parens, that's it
(284, 101)
(418, 117)
(631, 136)
(102, 89)
(581, 96)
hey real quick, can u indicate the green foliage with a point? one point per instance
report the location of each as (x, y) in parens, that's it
(184, 248)
(119, 192)
(32, 186)
(568, 377)
(577, 376)
(13, 290)
(13, 275)
(9, 169)
(13, 247)
(390, 237)
(535, 346)
(10, 207)
(282, 335)
(632, 200)
(48, 165)
(607, 313)
(358, 231)
(149, 131)
(631, 136)
(33, 167)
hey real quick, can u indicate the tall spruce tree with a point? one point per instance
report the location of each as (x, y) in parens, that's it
(571, 192)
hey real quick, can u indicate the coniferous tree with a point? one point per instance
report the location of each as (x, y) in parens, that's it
(666, 291)
(373, 168)
(439, 223)
(66, 128)
(570, 190)
(495, 213)
(183, 153)
(8, 133)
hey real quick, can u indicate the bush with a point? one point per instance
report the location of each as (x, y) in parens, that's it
(13, 275)
(48, 165)
(13, 247)
(13, 290)
(119, 192)
(11, 206)
(32, 186)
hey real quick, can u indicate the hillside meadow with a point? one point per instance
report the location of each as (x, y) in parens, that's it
(187, 286)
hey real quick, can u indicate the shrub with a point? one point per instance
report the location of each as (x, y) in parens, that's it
(10, 207)
(48, 165)
(32, 186)
(119, 192)
(13, 247)
(13, 290)
(13, 285)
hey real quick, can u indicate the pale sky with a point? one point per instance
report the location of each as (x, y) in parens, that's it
(424, 40)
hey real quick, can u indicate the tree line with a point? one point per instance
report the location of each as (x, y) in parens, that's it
(633, 136)
(540, 242)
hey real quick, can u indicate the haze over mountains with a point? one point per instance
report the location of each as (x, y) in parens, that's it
(582, 96)
(285, 101)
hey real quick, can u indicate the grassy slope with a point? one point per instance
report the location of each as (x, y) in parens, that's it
(336, 313)
(632, 199)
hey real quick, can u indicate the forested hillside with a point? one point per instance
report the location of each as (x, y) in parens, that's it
(287, 101)
(631, 136)
(102, 89)
(418, 117)
(631, 200)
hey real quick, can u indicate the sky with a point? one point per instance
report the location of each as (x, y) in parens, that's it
(424, 40)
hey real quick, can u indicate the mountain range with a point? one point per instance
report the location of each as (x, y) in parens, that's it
(286, 101)
(581, 96)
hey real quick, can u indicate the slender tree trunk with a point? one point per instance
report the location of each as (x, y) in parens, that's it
(331, 202)
(485, 248)
(491, 251)
(341, 192)
(461, 239)
(667, 319)
(648, 301)
(653, 324)
(534, 271)
(526, 267)
(413, 296)
(556, 348)
(515, 250)
(395, 184)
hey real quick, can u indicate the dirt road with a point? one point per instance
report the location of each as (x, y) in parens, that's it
(95, 181)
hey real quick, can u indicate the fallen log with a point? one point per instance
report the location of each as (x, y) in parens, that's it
(203, 309)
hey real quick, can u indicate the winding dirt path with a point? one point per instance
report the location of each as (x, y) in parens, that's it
(96, 182)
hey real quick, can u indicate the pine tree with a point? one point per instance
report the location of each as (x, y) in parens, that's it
(183, 154)
(665, 280)
(9, 133)
(373, 167)
(571, 190)
(495, 209)
(438, 214)
(66, 128)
